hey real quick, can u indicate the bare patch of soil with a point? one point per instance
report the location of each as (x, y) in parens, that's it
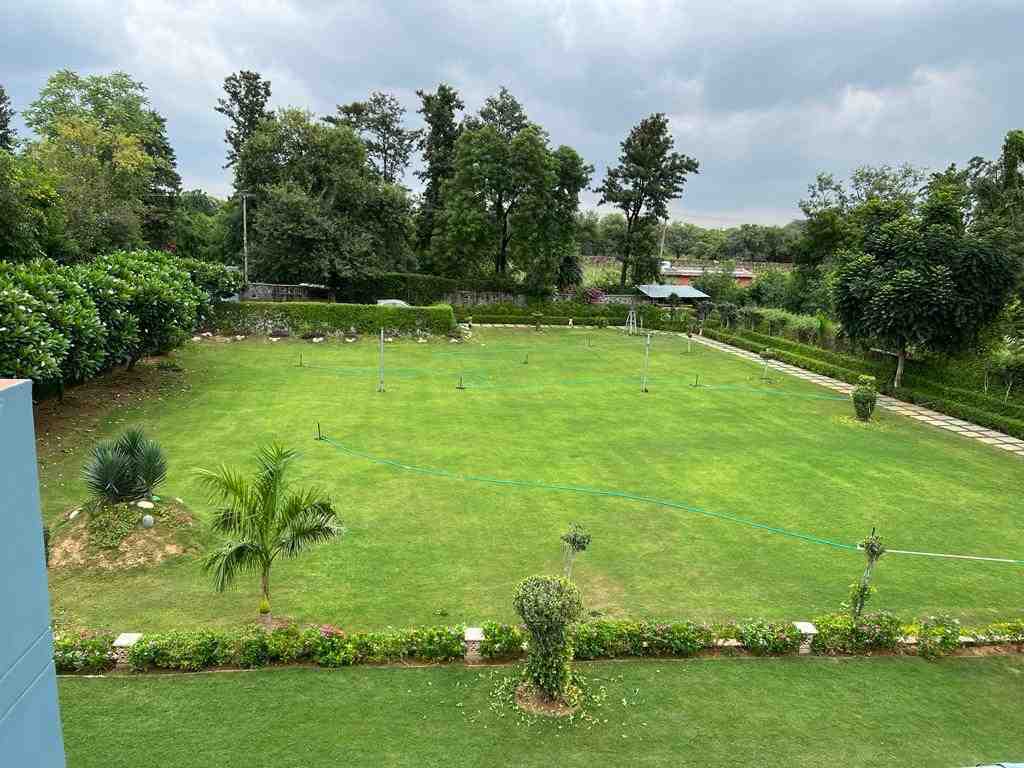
(64, 423)
(172, 535)
(532, 701)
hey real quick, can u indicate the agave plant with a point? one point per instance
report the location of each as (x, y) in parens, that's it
(263, 518)
(125, 469)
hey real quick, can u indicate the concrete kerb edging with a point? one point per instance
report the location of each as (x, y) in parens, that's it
(474, 636)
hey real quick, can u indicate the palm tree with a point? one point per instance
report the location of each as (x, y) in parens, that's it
(262, 519)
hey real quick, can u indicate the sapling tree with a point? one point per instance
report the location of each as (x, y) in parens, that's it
(861, 592)
(574, 541)
(262, 518)
(864, 397)
(548, 606)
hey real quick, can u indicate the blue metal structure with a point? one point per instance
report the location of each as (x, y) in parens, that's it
(30, 729)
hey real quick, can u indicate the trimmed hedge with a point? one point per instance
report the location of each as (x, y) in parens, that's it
(929, 396)
(326, 646)
(302, 317)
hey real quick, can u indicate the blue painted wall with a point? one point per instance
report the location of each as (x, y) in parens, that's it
(30, 731)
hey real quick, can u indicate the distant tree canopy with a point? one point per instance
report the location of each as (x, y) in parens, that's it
(8, 136)
(917, 273)
(321, 213)
(245, 106)
(511, 200)
(91, 131)
(648, 176)
(378, 122)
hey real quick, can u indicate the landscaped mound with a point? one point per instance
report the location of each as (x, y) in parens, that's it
(112, 537)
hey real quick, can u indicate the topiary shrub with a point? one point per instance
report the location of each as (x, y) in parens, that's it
(548, 607)
(30, 348)
(864, 396)
(764, 638)
(937, 636)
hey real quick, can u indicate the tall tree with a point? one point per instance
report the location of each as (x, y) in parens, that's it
(378, 122)
(322, 214)
(923, 278)
(502, 111)
(648, 176)
(8, 137)
(117, 105)
(245, 107)
(437, 143)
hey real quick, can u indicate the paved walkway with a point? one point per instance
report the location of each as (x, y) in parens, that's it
(991, 437)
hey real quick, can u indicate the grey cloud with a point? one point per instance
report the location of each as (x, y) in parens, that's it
(763, 94)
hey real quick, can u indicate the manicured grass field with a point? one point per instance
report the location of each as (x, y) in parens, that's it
(738, 712)
(550, 407)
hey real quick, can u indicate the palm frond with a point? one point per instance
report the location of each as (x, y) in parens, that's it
(236, 500)
(232, 558)
(307, 517)
(273, 460)
(150, 466)
(131, 443)
(108, 474)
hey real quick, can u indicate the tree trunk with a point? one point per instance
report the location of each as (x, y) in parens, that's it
(1009, 386)
(622, 277)
(901, 358)
(266, 618)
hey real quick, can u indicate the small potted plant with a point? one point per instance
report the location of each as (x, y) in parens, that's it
(864, 396)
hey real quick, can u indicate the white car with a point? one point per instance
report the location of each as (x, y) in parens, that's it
(391, 303)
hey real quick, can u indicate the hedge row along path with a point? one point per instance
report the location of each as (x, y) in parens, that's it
(991, 437)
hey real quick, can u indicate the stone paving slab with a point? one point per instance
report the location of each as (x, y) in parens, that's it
(1008, 443)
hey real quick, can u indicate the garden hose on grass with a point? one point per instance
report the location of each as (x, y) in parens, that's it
(536, 484)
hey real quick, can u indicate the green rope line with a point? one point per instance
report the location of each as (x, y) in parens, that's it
(587, 491)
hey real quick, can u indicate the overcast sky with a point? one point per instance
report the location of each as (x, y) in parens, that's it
(763, 94)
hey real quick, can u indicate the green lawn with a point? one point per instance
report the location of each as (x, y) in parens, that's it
(736, 712)
(428, 549)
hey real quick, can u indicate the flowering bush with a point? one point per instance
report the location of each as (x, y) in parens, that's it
(83, 652)
(840, 633)
(768, 638)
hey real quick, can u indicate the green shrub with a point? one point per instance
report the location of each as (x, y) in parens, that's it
(765, 638)
(30, 348)
(298, 317)
(184, 651)
(83, 652)
(838, 633)
(502, 641)
(69, 310)
(864, 397)
(1003, 632)
(609, 639)
(112, 296)
(937, 636)
(125, 469)
(336, 649)
(548, 607)
(163, 297)
(289, 644)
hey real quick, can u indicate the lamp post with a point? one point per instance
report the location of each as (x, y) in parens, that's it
(245, 239)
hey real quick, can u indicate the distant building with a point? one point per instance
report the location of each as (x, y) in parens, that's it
(685, 274)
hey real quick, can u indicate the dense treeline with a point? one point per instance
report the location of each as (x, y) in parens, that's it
(907, 261)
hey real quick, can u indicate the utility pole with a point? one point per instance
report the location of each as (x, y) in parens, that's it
(245, 240)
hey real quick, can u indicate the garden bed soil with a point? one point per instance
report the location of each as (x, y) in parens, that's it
(533, 702)
(170, 536)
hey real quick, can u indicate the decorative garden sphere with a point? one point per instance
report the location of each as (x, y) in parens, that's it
(147, 521)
